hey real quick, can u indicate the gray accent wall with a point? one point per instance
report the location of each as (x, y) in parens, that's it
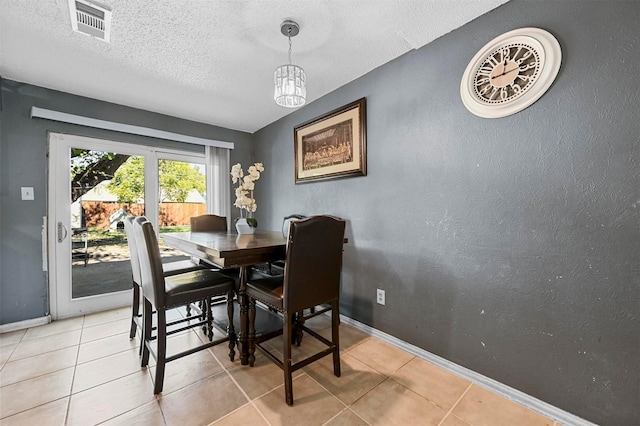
(509, 246)
(24, 162)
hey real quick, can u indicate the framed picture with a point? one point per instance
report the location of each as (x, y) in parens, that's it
(333, 145)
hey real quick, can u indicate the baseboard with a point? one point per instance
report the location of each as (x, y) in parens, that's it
(21, 325)
(510, 393)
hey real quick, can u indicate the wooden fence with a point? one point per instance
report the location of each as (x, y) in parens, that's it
(97, 213)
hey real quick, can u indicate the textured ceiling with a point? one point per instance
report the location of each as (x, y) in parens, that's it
(212, 61)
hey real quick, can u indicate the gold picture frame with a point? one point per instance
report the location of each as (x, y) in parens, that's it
(333, 145)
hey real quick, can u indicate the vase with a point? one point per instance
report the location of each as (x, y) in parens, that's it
(243, 227)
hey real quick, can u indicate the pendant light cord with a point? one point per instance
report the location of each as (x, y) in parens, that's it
(289, 35)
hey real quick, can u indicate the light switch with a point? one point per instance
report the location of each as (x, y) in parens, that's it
(27, 193)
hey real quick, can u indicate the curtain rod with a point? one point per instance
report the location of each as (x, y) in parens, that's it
(124, 128)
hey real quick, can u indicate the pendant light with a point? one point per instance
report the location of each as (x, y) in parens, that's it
(289, 80)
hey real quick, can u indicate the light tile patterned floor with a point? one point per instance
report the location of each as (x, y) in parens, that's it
(86, 371)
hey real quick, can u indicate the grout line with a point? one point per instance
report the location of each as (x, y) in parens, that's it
(245, 395)
(356, 414)
(456, 403)
(346, 406)
(402, 366)
(9, 358)
(512, 394)
(337, 414)
(36, 355)
(327, 390)
(149, 375)
(73, 378)
(32, 408)
(156, 399)
(416, 393)
(233, 379)
(369, 337)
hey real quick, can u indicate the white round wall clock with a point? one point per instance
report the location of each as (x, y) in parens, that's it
(510, 72)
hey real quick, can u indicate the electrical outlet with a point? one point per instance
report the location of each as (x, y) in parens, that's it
(380, 297)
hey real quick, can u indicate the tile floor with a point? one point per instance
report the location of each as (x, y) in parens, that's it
(86, 371)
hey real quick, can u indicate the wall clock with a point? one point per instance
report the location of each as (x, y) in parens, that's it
(510, 72)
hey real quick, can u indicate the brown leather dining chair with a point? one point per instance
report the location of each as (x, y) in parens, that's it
(212, 223)
(276, 267)
(169, 268)
(163, 293)
(311, 277)
(208, 223)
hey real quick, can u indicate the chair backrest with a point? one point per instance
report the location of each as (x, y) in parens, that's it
(208, 223)
(133, 249)
(287, 221)
(152, 277)
(313, 262)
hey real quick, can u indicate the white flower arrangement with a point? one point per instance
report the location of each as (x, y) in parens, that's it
(244, 190)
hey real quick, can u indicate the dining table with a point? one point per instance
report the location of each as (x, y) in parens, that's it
(230, 250)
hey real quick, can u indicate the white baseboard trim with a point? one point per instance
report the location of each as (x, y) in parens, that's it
(510, 393)
(21, 325)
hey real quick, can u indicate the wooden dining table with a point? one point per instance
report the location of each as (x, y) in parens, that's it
(230, 250)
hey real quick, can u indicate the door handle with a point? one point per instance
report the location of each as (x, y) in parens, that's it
(61, 228)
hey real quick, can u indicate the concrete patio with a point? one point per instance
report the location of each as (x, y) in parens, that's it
(108, 269)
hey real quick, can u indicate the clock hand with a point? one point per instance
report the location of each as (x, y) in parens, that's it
(505, 72)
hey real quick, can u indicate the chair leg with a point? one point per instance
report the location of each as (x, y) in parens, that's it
(135, 310)
(147, 322)
(231, 332)
(252, 331)
(297, 328)
(203, 313)
(141, 319)
(286, 357)
(162, 350)
(209, 318)
(335, 336)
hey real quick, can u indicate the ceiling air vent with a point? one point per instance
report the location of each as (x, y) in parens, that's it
(90, 19)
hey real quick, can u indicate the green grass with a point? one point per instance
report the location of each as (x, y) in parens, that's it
(166, 229)
(102, 237)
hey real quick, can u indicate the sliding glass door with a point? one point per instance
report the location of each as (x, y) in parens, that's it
(182, 193)
(94, 184)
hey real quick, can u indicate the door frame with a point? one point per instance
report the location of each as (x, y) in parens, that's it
(61, 303)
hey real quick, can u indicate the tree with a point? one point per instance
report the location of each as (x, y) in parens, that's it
(89, 168)
(128, 181)
(177, 179)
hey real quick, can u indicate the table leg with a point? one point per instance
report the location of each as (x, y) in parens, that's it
(243, 343)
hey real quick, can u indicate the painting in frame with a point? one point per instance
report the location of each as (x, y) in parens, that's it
(333, 145)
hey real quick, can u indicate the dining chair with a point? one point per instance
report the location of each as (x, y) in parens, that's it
(311, 277)
(213, 223)
(208, 223)
(169, 268)
(286, 222)
(276, 267)
(163, 293)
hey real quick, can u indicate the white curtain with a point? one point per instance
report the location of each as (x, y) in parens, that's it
(218, 182)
